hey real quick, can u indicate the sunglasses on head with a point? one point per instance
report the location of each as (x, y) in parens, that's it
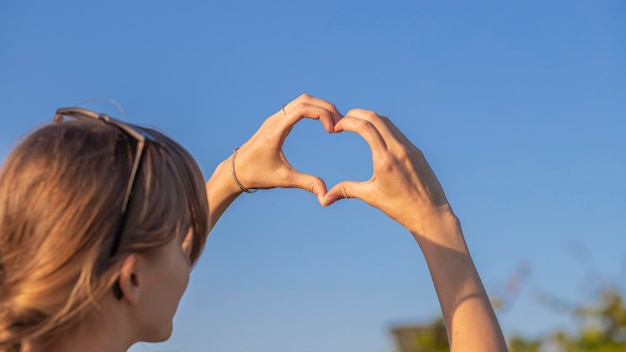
(135, 132)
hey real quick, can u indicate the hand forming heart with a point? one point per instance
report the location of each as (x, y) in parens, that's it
(402, 184)
(260, 162)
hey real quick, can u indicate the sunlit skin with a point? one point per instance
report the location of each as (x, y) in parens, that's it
(152, 286)
(402, 185)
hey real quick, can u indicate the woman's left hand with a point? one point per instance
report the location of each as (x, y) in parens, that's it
(260, 162)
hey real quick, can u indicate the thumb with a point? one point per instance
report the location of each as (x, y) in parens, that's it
(344, 189)
(309, 183)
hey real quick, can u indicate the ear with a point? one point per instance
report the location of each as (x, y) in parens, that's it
(129, 281)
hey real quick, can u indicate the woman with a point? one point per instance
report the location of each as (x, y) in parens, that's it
(101, 221)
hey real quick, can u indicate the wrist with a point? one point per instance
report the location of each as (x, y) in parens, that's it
(221, 191)
(439, 226)
(221, 181)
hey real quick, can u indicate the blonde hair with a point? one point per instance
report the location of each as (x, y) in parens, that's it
(61, 191)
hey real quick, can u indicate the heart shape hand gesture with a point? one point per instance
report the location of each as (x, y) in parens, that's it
(402, 185)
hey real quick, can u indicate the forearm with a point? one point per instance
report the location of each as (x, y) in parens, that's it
(221, 191)
(405, 188)
(467, 311)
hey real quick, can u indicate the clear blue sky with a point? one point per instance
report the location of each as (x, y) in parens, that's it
(520, 107)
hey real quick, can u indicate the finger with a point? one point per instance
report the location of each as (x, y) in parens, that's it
(387, 128)
(309, 99)
(306, 110)
(307, 182)
(384, 126)
(396, 131)
(365, 129)
(346, 189)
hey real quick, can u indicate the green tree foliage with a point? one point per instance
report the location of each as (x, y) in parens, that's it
(430, 337)
(600, 326)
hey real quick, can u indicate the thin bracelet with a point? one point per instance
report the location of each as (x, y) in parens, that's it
(232, 172)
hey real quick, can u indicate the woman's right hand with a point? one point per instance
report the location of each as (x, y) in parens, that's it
(402, 185)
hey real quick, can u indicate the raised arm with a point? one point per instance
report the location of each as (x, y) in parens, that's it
(260, 162)
(405, 188)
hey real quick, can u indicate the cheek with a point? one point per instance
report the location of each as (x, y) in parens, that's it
(174, 285)
(182, 273)
(185, 276)
(175, 277)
